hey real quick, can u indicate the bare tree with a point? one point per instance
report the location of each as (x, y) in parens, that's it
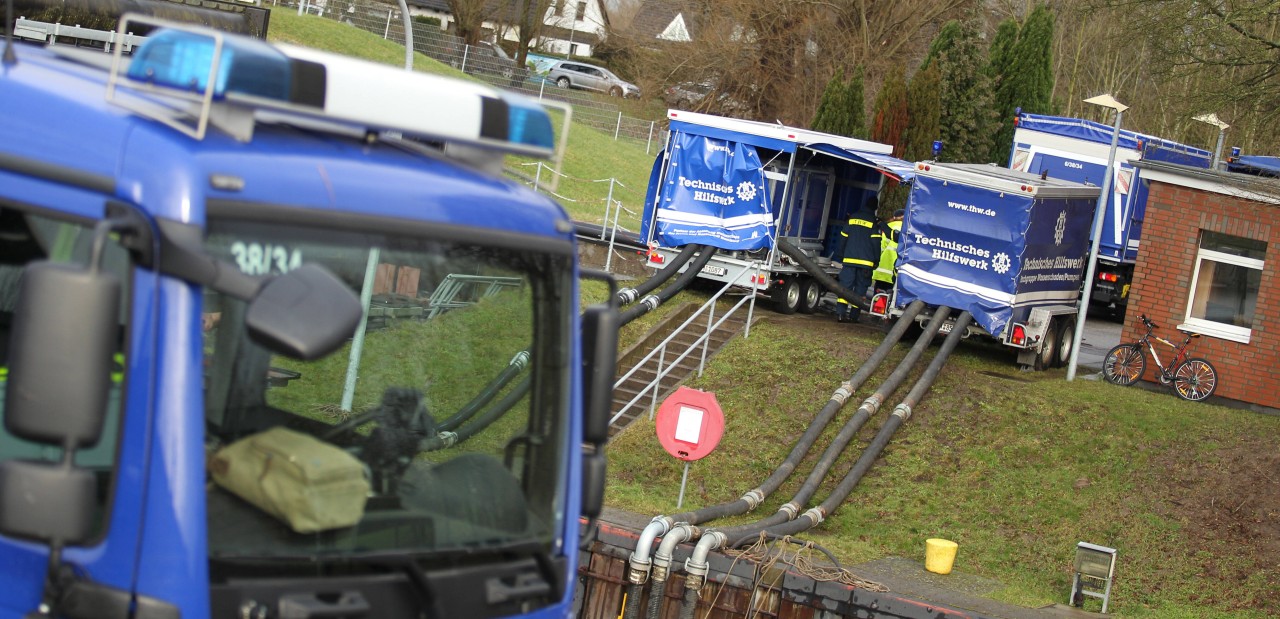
(468, 18)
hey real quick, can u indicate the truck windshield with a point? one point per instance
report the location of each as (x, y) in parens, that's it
(440, 427)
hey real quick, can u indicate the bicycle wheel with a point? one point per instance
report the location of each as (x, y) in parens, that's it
(1124, 364)
(1195, 379)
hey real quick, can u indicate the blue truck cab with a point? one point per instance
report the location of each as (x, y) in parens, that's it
(278, 342)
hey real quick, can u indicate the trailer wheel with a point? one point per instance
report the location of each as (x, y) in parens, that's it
(786, 296)
(1048, 352)
(1066, 339)
(810, 294)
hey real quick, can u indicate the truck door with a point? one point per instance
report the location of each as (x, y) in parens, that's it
(116, 460)
(812, 195)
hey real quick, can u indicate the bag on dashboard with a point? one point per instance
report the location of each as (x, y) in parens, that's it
(305, 482)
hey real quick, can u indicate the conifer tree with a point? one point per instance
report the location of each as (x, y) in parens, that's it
(855, 107)
(889, 116)
(967, 117)
(924, 111)
(1026, 77)
(1004, 82)
(830, 117)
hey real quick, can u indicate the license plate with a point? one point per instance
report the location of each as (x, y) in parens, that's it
(946, 328)
(714, 270)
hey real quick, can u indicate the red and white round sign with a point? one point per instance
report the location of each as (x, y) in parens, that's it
(690, 423)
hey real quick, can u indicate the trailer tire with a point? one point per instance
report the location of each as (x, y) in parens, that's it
(786, 296)
(1066, 340)
(810, 295)
(1048, 352)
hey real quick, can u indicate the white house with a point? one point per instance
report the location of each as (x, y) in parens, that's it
(572, 27)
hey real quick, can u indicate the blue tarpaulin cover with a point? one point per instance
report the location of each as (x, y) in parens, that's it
(1153, 147)
(1255, 164)
(989, 252)
(713, 194)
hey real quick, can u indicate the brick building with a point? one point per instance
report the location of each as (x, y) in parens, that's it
(1208, 264)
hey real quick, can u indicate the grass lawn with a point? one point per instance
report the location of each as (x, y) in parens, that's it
(1014, 466)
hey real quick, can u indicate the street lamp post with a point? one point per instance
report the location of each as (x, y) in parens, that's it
(1213, 119)
(1099, 212)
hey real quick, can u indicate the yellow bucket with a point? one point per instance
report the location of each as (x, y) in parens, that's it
(939, 554)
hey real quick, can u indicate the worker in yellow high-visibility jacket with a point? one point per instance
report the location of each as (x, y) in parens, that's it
(860, 251)
(887, 270)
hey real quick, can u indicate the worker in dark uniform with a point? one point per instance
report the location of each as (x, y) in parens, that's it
(887, 270)
(860, 253)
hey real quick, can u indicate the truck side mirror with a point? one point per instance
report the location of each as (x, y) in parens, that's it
(64, 335)
(306, 313)
(600, 325)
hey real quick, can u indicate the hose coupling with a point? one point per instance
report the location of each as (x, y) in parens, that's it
(627, 295)
(638, 574)
(521, 360)
(872, 403)
(695, 574)
(652, 301)
(753, 498)
(815, 514)
(791, 509)
(449, 438)
(902, 410)
(842, 394)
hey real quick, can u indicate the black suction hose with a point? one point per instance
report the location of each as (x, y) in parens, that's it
(632, 610)
(816, 427)
(754, 497)
(627, 295)
(517, 365)
(689, 604)
(828, 459)
(807, 263)
(480, 422)
(653, 301)
(900, 415)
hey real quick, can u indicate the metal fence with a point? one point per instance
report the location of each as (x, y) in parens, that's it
(384, 20)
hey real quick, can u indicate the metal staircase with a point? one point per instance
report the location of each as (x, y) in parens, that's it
(674, 350)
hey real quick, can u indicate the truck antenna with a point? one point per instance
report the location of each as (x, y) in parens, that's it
(10, 58)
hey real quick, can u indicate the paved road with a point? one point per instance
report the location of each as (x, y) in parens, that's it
(1100, 334)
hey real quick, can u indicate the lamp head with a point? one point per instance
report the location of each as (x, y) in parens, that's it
(1212, 119)
(1107, 101)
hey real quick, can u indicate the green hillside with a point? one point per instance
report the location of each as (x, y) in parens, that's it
(591, 157)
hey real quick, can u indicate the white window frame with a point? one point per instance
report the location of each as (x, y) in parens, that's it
(1209, 327)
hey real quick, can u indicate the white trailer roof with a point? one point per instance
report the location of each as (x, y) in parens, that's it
(991, 176)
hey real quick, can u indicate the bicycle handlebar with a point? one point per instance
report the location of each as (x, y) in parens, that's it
(1151, 324)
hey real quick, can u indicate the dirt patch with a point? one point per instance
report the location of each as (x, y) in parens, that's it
(1228, 502)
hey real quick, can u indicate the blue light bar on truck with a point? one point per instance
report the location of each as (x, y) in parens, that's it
(209, 66)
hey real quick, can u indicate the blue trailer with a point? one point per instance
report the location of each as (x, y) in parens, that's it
(1076, 150)
(1006, 246)
(741, 186)
(232, 383)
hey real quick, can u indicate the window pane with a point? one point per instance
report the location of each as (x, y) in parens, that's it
(452, 399)
(1234, 245)
(1226, 293)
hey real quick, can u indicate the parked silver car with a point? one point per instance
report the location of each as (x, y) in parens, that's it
(573, 74)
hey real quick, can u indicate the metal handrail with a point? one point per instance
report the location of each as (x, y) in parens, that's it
(703, 340)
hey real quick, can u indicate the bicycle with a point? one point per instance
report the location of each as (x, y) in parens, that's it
(1192, 378)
